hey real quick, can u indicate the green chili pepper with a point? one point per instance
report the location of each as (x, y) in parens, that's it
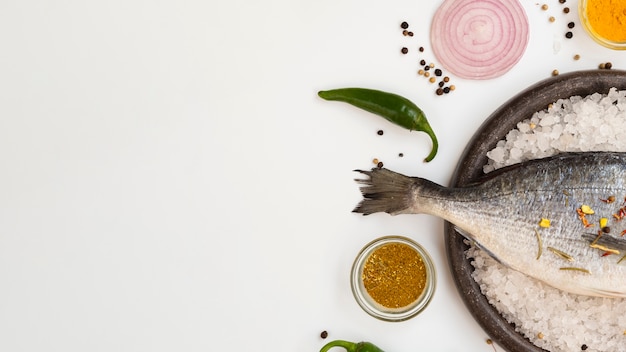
(392, 107)
(351, 346)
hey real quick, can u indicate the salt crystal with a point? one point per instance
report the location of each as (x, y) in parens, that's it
(523, 127)
(512, 135)
(515, 154)
(548, 120)
(496, 154)
(543, 144)
(556, 131)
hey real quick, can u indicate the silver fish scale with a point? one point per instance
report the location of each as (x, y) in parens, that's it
(502, 214)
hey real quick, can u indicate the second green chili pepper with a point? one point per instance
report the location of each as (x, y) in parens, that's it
(392, 107)
(351, 346)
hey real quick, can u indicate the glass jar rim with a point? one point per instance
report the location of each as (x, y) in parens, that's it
(373, 308)
(597, 37)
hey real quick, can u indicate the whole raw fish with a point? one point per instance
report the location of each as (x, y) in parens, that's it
(557, 219)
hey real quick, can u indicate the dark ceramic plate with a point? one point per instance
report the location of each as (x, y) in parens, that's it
(470, 167)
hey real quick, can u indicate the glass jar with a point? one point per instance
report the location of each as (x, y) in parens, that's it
(393, 278)
(587, 10)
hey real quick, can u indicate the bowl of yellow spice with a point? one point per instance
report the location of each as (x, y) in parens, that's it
(393, 278)
(604, 21)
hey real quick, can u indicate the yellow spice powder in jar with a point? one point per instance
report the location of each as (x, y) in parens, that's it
(394, 275)
(607, 18)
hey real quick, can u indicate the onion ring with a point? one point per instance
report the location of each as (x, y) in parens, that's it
(479, 39)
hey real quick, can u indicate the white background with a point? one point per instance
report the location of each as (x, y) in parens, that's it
(170, 181)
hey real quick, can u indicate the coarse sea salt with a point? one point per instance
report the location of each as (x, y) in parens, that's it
(550, 318)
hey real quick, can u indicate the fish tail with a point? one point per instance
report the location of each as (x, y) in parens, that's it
(385, 191)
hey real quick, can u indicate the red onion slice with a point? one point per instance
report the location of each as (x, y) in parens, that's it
(479, 39)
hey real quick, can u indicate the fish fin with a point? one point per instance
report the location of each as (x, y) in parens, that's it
(384, 191)
(472, 238)
(491, 254)
(464, 233)
(605, 293)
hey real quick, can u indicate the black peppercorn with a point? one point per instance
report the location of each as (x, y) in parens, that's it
(446, 90)
(380, 132)
(441, 84)
(405, 50)
(422, 62)
(608, 65)
(421, 49)
(571, 25)
(584, 347)
(404, 25)
(439, 91)
(438, 72)
(562, 1)
(566, 10)
(426, 68)
(401, 155)
(324, 334)
(569, 35)
(380, 164)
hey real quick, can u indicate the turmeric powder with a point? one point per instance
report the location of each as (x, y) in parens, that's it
(608, 18)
